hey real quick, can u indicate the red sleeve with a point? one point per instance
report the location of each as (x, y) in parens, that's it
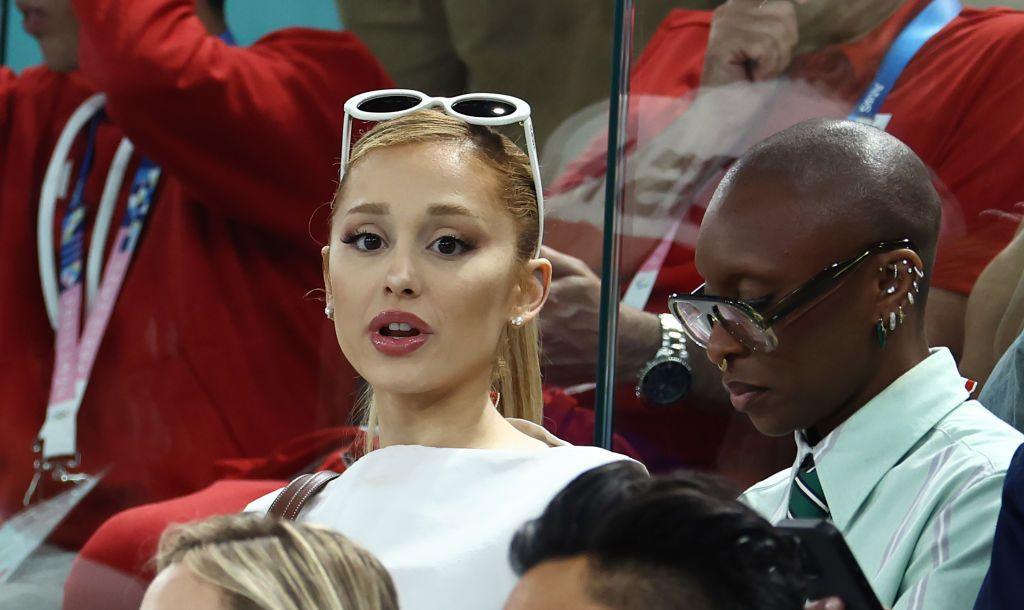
(115, 566)
(7, 82)
(252, 131)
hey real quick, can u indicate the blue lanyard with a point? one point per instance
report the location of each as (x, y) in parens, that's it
(72, 227)
(927, 23)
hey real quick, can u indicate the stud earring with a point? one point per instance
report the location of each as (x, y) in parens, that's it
(880, 333)
(892, 320)
(890, 290)
(916, 287)
(518, 321)
(329, 312)
(910, 297)
(895, 271)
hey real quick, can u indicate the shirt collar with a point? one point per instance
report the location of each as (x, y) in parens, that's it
(854, 457)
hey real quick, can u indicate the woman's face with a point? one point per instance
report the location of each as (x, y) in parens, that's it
(421, 268)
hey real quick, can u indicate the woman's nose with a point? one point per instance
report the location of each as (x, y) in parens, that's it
(401, 277)
(722, 345)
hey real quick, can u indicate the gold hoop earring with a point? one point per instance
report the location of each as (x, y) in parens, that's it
(723, 365)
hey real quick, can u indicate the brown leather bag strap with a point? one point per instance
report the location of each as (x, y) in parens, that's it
(288, 504)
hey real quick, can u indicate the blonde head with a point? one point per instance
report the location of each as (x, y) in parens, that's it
(516, 371)
(262, 563)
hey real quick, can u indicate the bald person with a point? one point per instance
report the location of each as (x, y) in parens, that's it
(816, 250)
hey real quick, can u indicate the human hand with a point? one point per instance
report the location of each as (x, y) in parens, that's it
(569, 326)
(751, 40)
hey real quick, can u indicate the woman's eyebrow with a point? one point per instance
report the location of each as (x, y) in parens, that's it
(451, 209)
(377, 209)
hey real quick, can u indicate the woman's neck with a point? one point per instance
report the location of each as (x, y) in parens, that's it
(461, 418)
(894, 363)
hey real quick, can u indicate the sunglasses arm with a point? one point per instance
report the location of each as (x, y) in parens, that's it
(531, 150)
(346, 144)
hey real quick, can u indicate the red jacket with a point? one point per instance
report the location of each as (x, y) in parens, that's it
(215, 350)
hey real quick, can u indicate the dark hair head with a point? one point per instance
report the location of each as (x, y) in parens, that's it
(681, 541)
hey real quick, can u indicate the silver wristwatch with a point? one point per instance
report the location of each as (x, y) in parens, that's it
(666, 378)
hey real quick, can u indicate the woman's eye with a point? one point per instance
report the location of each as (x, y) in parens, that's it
(367, 242)
(450, 245)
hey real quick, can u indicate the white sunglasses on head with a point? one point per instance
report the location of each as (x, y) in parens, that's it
(488, 109)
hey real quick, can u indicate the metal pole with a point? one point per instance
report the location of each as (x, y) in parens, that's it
(613, 202)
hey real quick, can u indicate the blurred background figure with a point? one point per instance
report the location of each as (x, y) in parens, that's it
(707, 86)
(166, 312)
(617, 539)
(256, 563)
(993, 345)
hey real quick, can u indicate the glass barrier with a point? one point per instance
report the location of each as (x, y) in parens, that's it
(709, 85)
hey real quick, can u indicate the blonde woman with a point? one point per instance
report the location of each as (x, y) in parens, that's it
(248, 562)
(434, 285)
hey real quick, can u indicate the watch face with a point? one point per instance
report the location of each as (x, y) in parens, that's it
(666, 382)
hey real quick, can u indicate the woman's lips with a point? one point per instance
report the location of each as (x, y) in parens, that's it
(398, 333)
(397, 346)
(743, 395)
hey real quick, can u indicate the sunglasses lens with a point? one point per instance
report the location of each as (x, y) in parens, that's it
(696, 320)
(700, 317)
(484, 108)
(389, 103)
(744, 329)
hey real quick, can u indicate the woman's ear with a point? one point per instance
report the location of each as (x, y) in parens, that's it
(898, 284)
(325, 255)
(533, 290)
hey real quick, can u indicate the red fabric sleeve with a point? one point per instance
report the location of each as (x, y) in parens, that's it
(7, 82)
(114, 568)
(217, 116)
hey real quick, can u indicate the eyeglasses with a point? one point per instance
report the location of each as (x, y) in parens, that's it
(752, 325)
(487, 109)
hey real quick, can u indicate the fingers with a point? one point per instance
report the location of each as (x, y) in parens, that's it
(564, 265)
(750, 41)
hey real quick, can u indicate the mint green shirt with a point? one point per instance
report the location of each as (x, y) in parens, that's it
(913, 480)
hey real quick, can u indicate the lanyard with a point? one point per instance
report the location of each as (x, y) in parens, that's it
(77, 344)
(928, 22)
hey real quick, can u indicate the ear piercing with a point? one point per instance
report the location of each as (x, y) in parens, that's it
(329, 312)
(723, 365)
(518, 321)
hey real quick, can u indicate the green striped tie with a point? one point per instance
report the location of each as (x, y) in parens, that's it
(806, 498)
